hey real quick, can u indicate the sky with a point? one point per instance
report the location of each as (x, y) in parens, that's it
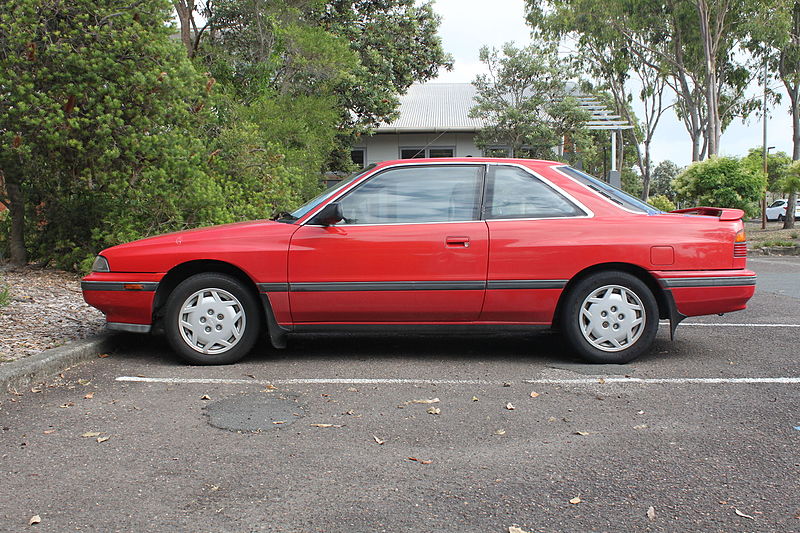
(469, 24)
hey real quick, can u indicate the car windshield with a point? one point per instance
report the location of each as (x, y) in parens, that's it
(301, 211)
(621, 198)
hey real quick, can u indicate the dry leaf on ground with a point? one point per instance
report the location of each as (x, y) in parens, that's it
(91, 434)
(433, 410)
(576, 500)
(327, 425)
(35, 519)
(433, 400)
(743, 515)
(102, 439)
(510, 406)
(379, 441)
(89, 396)
(515, 529)
(651, 513)
(535, 394)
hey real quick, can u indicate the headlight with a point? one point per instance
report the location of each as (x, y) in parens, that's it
(100, 264)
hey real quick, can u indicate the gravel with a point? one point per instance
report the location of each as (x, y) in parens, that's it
(46, 309)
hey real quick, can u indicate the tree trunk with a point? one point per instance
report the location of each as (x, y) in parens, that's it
(184, 9)
(646, 172)
(16, 243)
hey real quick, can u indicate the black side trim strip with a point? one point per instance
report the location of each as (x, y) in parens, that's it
(720, 281)
(389, 286)
(147, 286)
(273, 287)
(417, 328)
(356, 286)
(527, 284)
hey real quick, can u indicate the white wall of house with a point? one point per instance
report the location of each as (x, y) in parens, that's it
(385, 146)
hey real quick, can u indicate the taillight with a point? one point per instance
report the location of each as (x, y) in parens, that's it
(740, 244)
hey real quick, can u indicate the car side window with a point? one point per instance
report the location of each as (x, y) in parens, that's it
(514, 193)
(416, 194)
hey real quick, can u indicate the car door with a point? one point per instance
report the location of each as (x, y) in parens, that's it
(535, 231)
(412, 249)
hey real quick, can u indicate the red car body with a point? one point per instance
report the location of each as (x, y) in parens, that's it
(482, 272)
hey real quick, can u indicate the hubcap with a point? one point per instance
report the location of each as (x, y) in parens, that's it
(612, 318)
(211, 321)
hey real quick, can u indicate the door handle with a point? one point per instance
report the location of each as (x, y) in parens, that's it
(462, 242)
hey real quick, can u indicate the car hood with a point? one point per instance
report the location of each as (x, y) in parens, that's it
(224, 242)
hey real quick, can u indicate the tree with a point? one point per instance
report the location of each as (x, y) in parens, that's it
(777, 164)
(791, 184)
(97, 110)
(602, 52)
(663, 174)
(721, 182)
(775, 39)
(524, 101)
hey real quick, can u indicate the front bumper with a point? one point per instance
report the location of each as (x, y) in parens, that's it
(126, 299)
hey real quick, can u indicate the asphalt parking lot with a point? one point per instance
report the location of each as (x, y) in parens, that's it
(423, 433)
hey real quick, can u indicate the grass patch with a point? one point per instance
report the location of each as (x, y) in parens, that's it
(5, 295)
(766, 244)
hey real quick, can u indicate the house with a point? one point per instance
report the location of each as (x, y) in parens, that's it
(434, 121)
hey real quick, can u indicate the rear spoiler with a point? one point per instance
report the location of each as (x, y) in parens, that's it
(723, 213)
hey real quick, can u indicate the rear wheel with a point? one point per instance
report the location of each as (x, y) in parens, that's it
(610, 317)
(211, 319)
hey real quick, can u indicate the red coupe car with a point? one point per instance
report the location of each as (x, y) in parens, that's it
(443, 244)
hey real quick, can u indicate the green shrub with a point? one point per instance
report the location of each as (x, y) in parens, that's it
(660, 201)
(721, 182)
(5, 295)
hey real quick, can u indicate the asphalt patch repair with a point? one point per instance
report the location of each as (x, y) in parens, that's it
(254, 413)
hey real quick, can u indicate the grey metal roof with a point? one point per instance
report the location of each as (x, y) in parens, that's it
(444, 107)
(435, 107)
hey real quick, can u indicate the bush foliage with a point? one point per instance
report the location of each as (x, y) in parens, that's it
(721, 182)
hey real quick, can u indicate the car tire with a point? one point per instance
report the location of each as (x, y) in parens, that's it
(781, 218)
(610, 318)
(212, 319)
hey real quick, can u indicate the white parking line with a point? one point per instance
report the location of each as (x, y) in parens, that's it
(711, 324)
(388, 381)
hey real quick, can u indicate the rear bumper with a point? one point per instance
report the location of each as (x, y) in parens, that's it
(709, 292)
(126, 299)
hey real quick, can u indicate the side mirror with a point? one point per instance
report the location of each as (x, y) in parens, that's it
(330, 215)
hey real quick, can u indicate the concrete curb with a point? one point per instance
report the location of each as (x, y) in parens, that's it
(36, 368)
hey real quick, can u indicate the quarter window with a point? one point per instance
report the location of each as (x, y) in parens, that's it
(514, 193)
(416, 195)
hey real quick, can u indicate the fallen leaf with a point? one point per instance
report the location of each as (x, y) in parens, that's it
(413, 459)
(640, 426)
(84, 382)
(49, 431)
(103, 355)
(434, 400)
(433, 410)
(251, 376)
(601, 381)
(535, 394)
(270, 387)
(352, 389)
(327, 425)
(515, 529)
(35, 519)
(91, 434)
(738, 512)
(651, 513)
(551, 419)
(639, 412)
(426, 462)
(36, 390)
(500, 432)
(68, 404)
(205, 397)
(102, 439)
(379, 441)
(474, 398)
(582, 433)
(89, 396)
(279, 422)
(576, 500)
(510, 406)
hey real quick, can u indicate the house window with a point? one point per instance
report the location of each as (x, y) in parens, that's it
(496, 151)
(421, 152)
(359, 157)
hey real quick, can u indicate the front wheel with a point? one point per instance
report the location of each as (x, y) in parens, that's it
(610, 317)
(211, 319)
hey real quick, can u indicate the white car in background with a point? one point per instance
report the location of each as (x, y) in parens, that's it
(777, 210)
